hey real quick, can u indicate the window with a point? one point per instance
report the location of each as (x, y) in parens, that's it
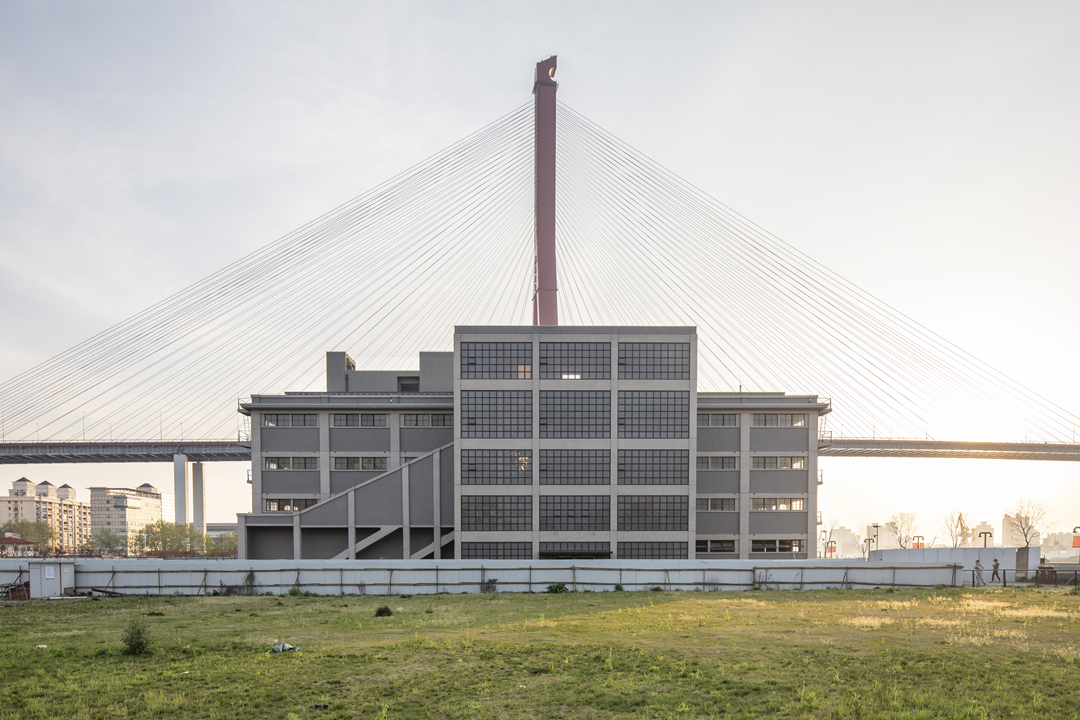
(654, 414)
(777, 504)
(781, 420)
(307, 420)
(654, 361)
(653, 512)
(785, 546)
(279, 505)
(409, 420)
(373, 463)
(716, 504)
(654, 467)
(443, 420)
(305, 463)
(779, 463)
(575, 467)
(575, 512)
(575, 361)
(496, 513)
(496, 414)
(496, 551)
(496, 467)
(500, 360)
(408, 384)
(276, 463)
(275, 420)
(653, 550)
(373, 420)
(707, 420)
(717, 463)
(724, 546)
(346, 463)
(575, 414)
(346, 420)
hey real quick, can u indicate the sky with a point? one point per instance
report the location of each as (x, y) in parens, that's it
(925, 151)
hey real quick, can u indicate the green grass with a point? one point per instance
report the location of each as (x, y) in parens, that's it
(831, 654)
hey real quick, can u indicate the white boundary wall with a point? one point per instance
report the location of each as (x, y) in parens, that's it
(394, 577)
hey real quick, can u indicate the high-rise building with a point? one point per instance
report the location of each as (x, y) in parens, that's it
(55, 506)
(124, 511)
(534, 442)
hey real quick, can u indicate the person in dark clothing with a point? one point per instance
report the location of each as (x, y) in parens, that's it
(995, 576)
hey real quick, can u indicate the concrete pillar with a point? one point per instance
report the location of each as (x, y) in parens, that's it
(181, 489)
(198, 497)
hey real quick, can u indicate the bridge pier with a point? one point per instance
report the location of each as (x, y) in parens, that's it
(190, 493)
(198, 497)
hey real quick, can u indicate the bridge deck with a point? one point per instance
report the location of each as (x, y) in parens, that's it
(869, 447)
(120, 452)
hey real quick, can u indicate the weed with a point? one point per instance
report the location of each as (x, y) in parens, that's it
(384, 611)
(556, 588)
(488, 586)
(618, 587)
(656, 588)
(136, 638)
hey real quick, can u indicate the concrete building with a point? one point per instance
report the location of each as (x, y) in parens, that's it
(529, 443)
(55, 506)
(124, 511)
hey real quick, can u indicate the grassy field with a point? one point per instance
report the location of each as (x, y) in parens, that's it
(828, 654)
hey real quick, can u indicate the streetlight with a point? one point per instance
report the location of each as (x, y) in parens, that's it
(830, 548)
(867, 542)
(984, 535)
(877, 545)
(918, 542)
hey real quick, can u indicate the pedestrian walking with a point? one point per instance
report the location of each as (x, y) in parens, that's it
(979, 580)
(995, 575)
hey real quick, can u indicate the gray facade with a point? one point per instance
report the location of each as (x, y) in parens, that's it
(529, 443)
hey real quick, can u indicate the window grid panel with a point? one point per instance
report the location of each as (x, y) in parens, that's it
(575, 512)
(654, 467)
(575, 467)
(779, 420)
(415, 420)
(285, 505)
(373, 463)
(779, 463)
(496, 513)
(715, 504)
(496, 467)
(717, 463)
(346, 463)
(496, 551)
(575, 361)
(496, 361)
(442, 420)
(653, 550)
(767, 504)
(276, 420)
(787, 546)
(575, 547)
(653, 512)
(496, 414)
(373, 420)
(346, 419)
(305, 420)
(575, 414)
(654, 361)
(654, 414)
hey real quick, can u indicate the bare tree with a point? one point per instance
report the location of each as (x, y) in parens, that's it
(1027, 517)
(829, 530)
(956, 527)
(905, 528)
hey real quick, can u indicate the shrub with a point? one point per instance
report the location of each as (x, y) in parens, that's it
(136, 638)
(488, 586)
(384, 611)
(556, 588)
(618, 587)
(656, 588)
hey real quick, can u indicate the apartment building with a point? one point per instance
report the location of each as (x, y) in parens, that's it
(55, 506)
(124, 511)
(531, 443)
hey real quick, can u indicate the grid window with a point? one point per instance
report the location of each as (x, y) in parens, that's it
(654, 361)
(778, 504)
(786, 546)
(496, 414)
(305, 420)
(276, 463)
(575, 467)
(575, 512)
(373, 463)
(575, 361)
(413, 420)
(779, 463)
(716, 504)
(305, 463)
(276, 420)
(346, 463)
(654, 414)
(574, 548)
(496, 513)
(575, 414)
(726, 420)
(373, 420)
(653, 512)
(346, 420)
(496, 361)
(286, 505)
(780, 420)
(442, 420)
(654, 467)
(717, 463)
(496, 551)
(291, 463)
(653, 550)
(496, 467)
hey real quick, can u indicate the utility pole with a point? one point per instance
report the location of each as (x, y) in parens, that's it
(984, 535)
(545, 300)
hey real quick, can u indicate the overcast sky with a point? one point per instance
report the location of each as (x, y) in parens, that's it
(926, 151)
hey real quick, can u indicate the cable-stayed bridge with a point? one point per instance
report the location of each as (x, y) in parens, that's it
(452, 240)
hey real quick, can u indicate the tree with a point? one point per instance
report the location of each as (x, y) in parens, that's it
(224, 545)
(1027, 517)
(168, 538)
(957, 528)
(106, 542)
(904, 523)
(39, 532)
(829, 530)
